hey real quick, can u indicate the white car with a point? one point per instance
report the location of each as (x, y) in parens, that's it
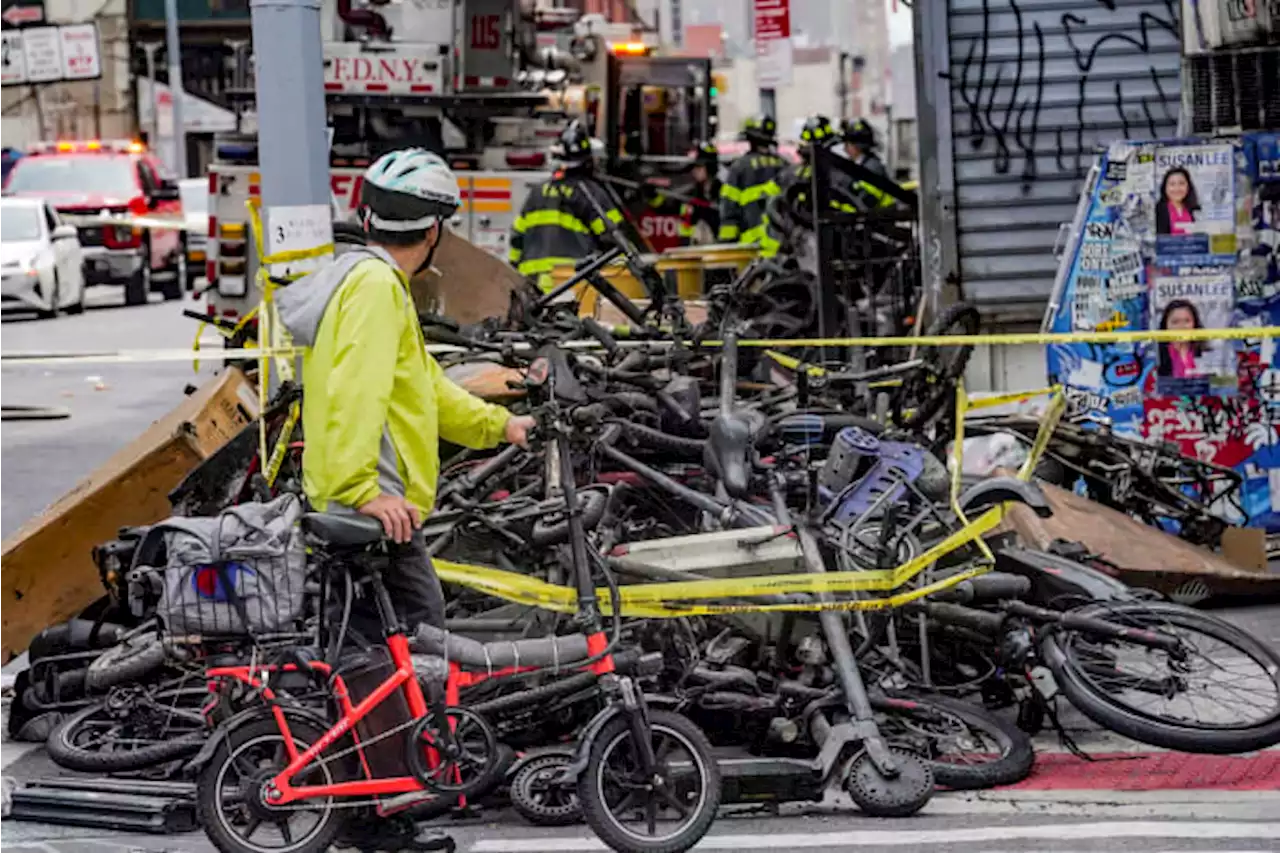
(39, 259)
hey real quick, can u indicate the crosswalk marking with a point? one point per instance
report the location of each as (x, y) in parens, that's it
(907, 837)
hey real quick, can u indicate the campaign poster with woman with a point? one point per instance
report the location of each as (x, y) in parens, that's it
(1195, 208)
(1184, 299)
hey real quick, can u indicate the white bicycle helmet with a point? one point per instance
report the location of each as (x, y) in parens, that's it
(408, 190)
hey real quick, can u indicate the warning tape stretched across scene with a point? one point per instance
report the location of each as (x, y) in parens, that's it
(1042, 338)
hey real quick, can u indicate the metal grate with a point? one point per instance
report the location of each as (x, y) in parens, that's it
(1232, 91)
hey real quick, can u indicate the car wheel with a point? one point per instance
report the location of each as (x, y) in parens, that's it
(172, 289)
(139, 284)
(77, 307)
(54, 296)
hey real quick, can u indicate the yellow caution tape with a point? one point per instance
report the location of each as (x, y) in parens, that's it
(1012, 339)
(522, 589)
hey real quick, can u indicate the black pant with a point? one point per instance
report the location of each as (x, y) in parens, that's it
(414, 589)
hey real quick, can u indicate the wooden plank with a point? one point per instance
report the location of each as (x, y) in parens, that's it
(1145, 556)
(49, 574)
(472, 285)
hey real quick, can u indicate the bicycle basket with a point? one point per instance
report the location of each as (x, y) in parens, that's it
(238, 573)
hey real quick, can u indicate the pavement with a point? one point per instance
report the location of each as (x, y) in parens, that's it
(1130, 798)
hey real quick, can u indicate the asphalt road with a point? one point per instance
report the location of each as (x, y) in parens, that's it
(944, 834)
(110, 404)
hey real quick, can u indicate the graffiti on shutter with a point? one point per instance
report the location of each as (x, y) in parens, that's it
(1037, 88)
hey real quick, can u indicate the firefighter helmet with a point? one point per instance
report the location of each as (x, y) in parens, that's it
(818, 131)
(573, 147)
(858, 132)
(705, 154)
(760, 129)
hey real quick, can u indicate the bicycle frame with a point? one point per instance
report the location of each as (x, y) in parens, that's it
(403, 678)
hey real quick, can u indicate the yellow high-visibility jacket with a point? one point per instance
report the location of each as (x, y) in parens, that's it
(376, 402)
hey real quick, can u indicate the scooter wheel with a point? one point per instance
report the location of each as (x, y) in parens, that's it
(536, 795)
(901, 796)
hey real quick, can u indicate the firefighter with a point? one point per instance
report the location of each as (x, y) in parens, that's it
(793, 183)
(750, 183)
(860, 144)
(559, 224)
(706, 188)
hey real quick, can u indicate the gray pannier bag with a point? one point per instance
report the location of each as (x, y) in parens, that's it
(240, 572)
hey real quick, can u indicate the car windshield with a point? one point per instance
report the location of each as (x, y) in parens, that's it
(88, 175)
(19, 223)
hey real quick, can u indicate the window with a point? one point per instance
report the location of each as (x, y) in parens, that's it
(19, 223)
(92, 174)
(148, 178)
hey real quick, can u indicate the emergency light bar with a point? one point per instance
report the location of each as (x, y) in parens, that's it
(630, 48)
(84, 146)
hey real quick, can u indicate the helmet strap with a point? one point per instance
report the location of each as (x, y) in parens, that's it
(431, 253)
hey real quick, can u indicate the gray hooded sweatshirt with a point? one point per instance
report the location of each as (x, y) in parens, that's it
(301, 307)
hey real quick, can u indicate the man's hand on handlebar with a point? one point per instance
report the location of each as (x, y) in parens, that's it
(518, 429)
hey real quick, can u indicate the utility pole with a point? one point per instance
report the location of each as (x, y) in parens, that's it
(293, 152)
(150, 48)
(173, 47)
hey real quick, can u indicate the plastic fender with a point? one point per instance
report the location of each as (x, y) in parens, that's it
(567, 750)
(998, 490)
(588, 737)
(240, 719)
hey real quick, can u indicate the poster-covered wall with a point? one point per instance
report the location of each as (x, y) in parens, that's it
(1181, 235)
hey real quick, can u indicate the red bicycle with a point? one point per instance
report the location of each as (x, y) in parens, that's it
(647, 780)
(287, 774)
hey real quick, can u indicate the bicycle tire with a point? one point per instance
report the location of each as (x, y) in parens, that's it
(130, 660)
(1104, 708)
(966, 318)
(597, 812)
(208, 808)
(1016, 758)
(64, 752)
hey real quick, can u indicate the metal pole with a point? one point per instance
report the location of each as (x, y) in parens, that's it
(769, 103)
(174, 50)
(150, 49)
(292, 131)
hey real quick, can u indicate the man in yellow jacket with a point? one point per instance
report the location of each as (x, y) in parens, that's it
(376, 402)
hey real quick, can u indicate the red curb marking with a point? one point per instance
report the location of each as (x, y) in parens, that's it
(1159, 771)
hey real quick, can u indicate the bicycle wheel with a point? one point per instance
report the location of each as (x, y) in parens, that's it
(129, 661)
(1218, 694)
(229, 794)
(536, 795)
(932, 388)
(132, 729)
(623, 806)
(967, 746)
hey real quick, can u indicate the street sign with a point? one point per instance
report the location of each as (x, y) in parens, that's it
(14, 64)
(773, 42)
(51, 54)
(21, 13)
(80, 59)
(42, 49)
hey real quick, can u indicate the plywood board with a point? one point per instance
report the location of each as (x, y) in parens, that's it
(472, 284)
(1145, 556)
(48, 573)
